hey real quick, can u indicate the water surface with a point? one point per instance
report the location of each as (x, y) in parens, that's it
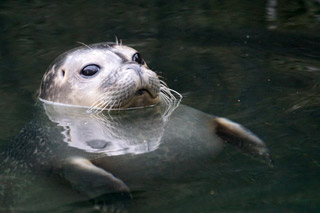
(257, 63)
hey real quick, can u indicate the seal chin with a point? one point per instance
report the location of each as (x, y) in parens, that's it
(142, 98)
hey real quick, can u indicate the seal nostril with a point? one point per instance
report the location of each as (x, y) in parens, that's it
(139, 92)
(142, 91)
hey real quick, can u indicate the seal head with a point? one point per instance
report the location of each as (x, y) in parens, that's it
(104, 76)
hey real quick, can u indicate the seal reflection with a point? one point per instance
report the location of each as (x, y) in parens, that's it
(112, 132)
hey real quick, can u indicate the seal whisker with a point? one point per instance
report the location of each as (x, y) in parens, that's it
(101, 104)
(117, 104)
(165, 98)
(105, 104)
(176, 93)
(111, 107)
(166, 92)
(165, 89)
(160, 77)
(104, 107)
(98, 99)
(163, 83)
(169, 96)
(84, 45)
(117, 40)
(96, 105)
(100, 107)
(171, 102)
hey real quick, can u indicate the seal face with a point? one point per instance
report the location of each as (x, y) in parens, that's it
(104, 76)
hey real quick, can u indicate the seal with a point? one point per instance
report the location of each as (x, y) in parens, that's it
(102, 76)
(80, 148)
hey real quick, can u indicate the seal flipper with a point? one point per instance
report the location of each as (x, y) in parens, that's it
(237, 135)
(92, 180)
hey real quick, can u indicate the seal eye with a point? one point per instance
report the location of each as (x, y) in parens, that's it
(137, 58)
(89, 70)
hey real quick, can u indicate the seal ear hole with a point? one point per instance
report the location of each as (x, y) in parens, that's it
(62, 73)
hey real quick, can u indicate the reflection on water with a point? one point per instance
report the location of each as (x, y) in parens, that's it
(256, 62)
(128, 132)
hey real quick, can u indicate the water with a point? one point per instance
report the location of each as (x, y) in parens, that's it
(254, 62)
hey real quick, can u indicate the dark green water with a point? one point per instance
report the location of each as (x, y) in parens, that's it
(255, 62)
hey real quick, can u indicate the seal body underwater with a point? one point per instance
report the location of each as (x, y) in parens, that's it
(86, 143)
